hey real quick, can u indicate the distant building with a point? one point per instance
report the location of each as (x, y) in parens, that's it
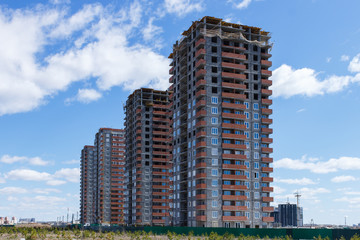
(27, 220)
(102, 178)
(288, 215)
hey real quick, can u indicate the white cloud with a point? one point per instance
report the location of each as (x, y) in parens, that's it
(37, 161)
(301, 110)
(46, 190)
(355, 200)
(316, 166)
(288, 82)
(183, 7)
(354, 65)
(13, 190)
(242, 4)
(340, 179)
(151, 31)
(97, 48)
(345, 58)
(85, 96)
(55, 182)
(296, 181)
(69, 174)
(74, 161)
(28, 175)
(328, 59)
(278, 190)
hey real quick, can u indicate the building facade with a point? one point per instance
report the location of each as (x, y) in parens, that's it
(148, 158)
(221, 126)
(288, 215)
(102, 178)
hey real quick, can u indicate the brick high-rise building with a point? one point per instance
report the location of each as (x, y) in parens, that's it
(148, 158)
(102, 183)
(221, 126)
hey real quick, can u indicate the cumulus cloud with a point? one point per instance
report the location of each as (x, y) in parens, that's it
(316, 166)
(242, 4)
(296, 181)
(69, 174)
(37, 161)
(354, 65)
(85, 96)
(183, 7)
(344, 58)
(13, 190)
(288, 82)
(340, 179)
(97, 49)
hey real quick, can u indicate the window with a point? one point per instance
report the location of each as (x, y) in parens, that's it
(246, 115)
(247, 124)
(214, 214)
(247, 164)
(256, 135)
(214, 120)
(214, 204)
(246, 105)
(214, 100)
(227, 172)
(247, 174)
(214, 131)
(189, 105)
(247, 214)
(256, 145)
(214, 193)
(256, 215)
(256, 165)
(247, 184)
(257, 205)
(227, 141)
(256, 125)
(247, 204)
(256, 185)
(214, 151)
(256, 116)
(247, 144)
(214, 172)
(256, 175)
(227, 182)
(214, 110)
(256, 106)
(214, 141)
(256, 155)
(247, 194)
(214, 183)
(227, 192)
(256, 195)
(214, 162)
(247, 134)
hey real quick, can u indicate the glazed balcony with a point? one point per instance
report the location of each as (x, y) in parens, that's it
(267, 130)
(234, 166)
(266, 120)
(234, 187)
(200, 73)
(266, 140)
(266, 102)
(267, 169)
(234, 198)
(267, 159)
(233, 106)
(267, 179)
(233, 56)
(233, 177)
(267, 199)
(234, 156)
(233, 95)
(234, 208)
(266, 92)
(200, 42)
(200, 52)
(233, 116)
(233, 85)
(233, 75)
(234, 218)
(267, 189)
(233, 136)
(266, 63)
(266, 150)
(233, 66)
(266, 82)
(266, 111)
(233, 146)
(268, 219)
(232, 125)
(201, 82)
(200, 63)
(200, 93)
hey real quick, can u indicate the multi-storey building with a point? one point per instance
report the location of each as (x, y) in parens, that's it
(148, 158)
(221, 126)
(87, 194)
(102, 184)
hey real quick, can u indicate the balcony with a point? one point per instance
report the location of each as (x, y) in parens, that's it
(202, 164)
(200, 175)
(267, 159)
(234, 218)
(266, 140)
(233, 55)
(233, 95)
(267, 199)
(201, 218)
(201, 113)
(266, 92)
(200, 63)
(201, 103)
(267, 169)
(267, 189)
(200, 93)
(233, 106)
(233, 116)
(266, 150)
(234, 156)
(233, 47)
(201, 196)
(201, 124)
(267, 179)
(200, 73)
(233, 66)
(234, 187)
(156, 221)
(266, 63)
(233, 85)
(201, 186)
(201, 207)
(233, 75)
(234, 208)
(266, 111)
(268, 219)
(268, 209)
(200, 52)
(234, 166)
(267, 120)
(266, 82)
(200, 42)
(200, 83)
(171, 79)
(234, 198)
(233, 177)
(201, 134)
(233, 136)
(200, 154)
(267, 130)
(266, 101)
(171, 71)
(265, 55)
(233, 146)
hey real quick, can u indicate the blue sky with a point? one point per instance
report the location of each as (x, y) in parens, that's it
(67, 67)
